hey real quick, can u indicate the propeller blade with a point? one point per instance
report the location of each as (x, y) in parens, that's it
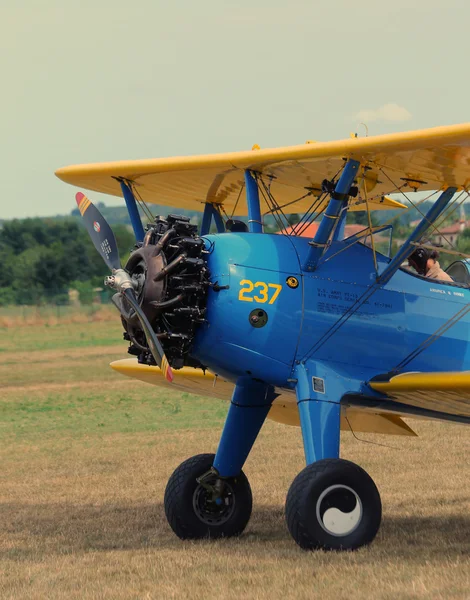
(103, 238)
(152, 340)
(100, 232)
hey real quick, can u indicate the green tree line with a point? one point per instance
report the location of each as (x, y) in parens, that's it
(43, 258)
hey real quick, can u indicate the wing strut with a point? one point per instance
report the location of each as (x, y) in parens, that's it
(210, 212)
(255, 225)
(433, 213)
(339, 197)
(133, 211)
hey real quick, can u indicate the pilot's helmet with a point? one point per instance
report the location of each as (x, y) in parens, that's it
(418, 260)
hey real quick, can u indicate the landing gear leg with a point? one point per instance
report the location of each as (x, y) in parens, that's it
(209, 495)
(332, 504)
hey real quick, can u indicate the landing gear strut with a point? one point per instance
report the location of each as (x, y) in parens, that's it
(332, 504)
(209, 495)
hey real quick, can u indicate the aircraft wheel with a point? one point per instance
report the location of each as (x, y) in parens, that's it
(209, 510)
(333, 504)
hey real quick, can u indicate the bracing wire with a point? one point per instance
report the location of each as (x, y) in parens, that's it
(457, 205)
(220, 209)
(275, 215)
(309, 193)
(360, 235)
(367, 441)
(415, 206)
(140, 201)
(309, 212)
(372, 240)
(275, 204)
(311, 215)
(242, 187)
(275, 208)
(143, 206)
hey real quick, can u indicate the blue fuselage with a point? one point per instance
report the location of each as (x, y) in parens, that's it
(394, 320)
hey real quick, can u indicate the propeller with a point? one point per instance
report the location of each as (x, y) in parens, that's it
(104, 241)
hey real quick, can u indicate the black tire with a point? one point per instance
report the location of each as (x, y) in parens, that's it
(312, 519)
(190, 510)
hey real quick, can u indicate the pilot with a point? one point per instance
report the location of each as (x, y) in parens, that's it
(425, 262)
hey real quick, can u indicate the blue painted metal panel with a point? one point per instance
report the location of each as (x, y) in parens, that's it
(425, 312)
(320, 423)
(319, 412)
(372, 335)
(229, 342)
(133, 211)
(252, 200)
(250, 405)
(407, 249)
(330, 217)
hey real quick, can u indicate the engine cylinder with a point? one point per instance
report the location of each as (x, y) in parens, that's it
(171, 281)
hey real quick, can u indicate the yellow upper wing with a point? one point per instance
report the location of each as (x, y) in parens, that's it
(435, 157)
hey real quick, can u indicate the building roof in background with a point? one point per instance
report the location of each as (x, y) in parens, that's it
(312, 229)
(454, 228)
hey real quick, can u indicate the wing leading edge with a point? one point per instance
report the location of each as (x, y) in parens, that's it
(432, 158)
(444, 395)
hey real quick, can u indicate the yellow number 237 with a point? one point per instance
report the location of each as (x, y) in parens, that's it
(258, 292)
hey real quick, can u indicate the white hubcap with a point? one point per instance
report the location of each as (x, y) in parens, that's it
(339, 510)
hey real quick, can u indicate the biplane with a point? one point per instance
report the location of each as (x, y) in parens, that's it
(327, 333)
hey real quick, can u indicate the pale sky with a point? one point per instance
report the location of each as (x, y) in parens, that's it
(100, 80)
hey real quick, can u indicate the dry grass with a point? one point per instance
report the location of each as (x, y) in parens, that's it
(85, 460)
(31, 316)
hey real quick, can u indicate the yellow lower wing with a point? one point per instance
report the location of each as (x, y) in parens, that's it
(284, 409)
(445, 393)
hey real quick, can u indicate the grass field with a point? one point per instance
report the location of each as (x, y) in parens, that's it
(85, 456)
